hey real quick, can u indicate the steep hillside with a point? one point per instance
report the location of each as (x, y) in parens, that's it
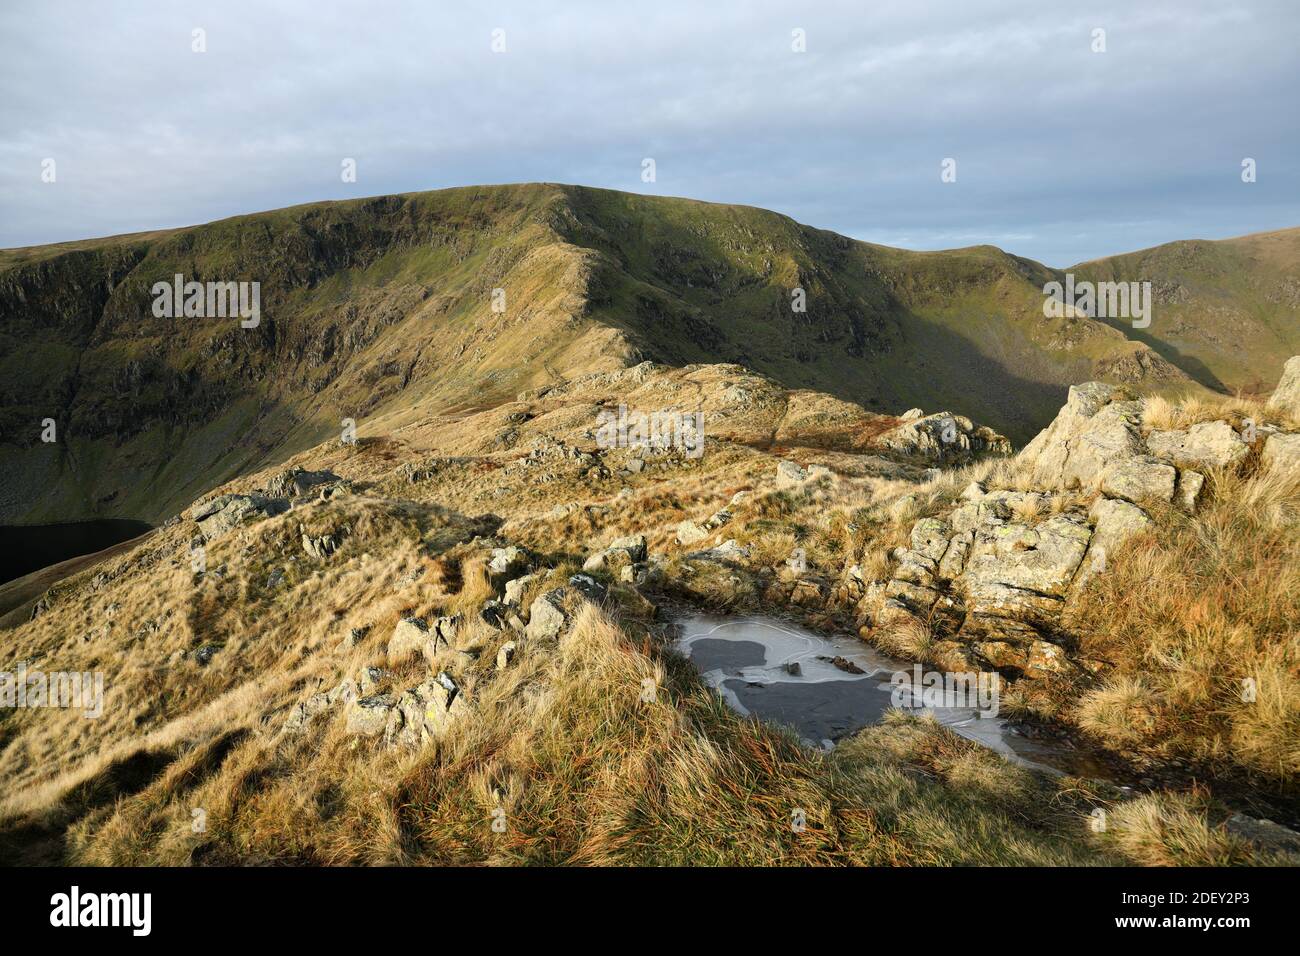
(1227, 313)
(385, 311)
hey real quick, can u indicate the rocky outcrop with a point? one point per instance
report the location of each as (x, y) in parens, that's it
(943, 436)
(621, 553)
(994, 574)
(424, 713)
(227, 512)
(1286, 397)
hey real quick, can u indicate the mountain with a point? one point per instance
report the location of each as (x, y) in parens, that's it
(1226, 312)
(381, 311)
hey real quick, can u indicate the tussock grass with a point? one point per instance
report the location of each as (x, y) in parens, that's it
(1196, 620)
(582, 769)
(1173, 830)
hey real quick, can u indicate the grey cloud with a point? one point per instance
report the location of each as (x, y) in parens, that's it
(1062, 154)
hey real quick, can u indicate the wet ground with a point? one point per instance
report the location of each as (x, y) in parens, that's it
(826, 687)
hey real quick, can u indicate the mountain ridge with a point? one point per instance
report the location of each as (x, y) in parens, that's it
(380, 310)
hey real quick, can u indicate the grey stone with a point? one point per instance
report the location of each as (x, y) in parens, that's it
(1204, 445)
(1190, 485)
(516, 587)
(1282, 451)
(227, 512)
(408, 638)
(1286, 397)
(789, 473)
(367, 716)
(1139, 479)
(930, 538)
(688, 533)
(546, 616)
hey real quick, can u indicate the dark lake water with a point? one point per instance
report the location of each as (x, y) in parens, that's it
(27, 548)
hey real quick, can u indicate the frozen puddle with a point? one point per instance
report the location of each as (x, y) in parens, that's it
(826, 687)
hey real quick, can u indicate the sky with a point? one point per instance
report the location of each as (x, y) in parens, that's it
(1063, 152)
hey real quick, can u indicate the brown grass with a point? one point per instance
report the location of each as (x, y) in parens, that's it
(1192, 614)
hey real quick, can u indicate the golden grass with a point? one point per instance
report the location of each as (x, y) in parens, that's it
(582, 769)
(1172, 830)
(1202, 623)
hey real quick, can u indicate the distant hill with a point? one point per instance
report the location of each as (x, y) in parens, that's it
(382, 310)
(1227, 313)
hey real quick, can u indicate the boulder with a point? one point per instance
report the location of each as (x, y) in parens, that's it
(299, 481)
(227, 512)
(506, 654)
(425, 712)
(789, 473)
(633, 544)
(321, 546)
(1205, 445)
(1190, 485)
(368, 716)
(688, 533)
(409, 637)
(301, 714)
(1115, 522)
(1282, 451)
(1088, 433)
(944, 436)
(507, 563)
(546, 616)
(618, 555)
(1286, 397)
(1140, 478)
(516, 587)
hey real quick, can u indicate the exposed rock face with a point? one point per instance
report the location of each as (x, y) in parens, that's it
(507, 564)
(1206, 445)
(620, 554)
(1286, 397)
(944, 436)
(997, 570)
(688, 532)
(408, 638)
(787, 473)
(515, 589)
(322, 546)
(227, 512)
(368, 716)
(1088, 434)
(298, 481)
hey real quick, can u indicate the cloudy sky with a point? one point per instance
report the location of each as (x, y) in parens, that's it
(1062, 153)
